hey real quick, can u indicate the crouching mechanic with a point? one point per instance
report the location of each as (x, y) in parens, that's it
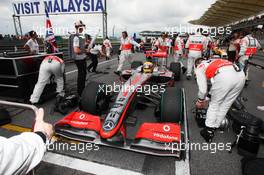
(227, 82)
(51, 65)
(21, 153)
(126, 51)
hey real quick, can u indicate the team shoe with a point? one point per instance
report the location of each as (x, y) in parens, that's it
(260, 108)
(97, 72)
(184, 69)
(247, 83)
(117, 73)
(89, 70)
(208, 134)
(188, 77)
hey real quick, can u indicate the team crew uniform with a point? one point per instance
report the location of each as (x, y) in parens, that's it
(163, 46)
(227, 83)
(248, 48)
(126, 52)
(196, 44)
(51, 65)
(178, 51)
(25, 150)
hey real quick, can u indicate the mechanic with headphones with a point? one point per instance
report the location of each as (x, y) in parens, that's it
(227, 83)
(126, 46)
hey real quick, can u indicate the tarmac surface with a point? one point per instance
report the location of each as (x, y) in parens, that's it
(204, 161)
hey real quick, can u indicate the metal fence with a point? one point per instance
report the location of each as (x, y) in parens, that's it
(18, 46)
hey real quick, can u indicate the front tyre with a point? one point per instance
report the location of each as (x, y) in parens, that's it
(176, 69)
(171, 105)
(94, 98)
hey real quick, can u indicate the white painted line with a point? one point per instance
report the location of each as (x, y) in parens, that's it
(103, 62)
(183, 166)
(84, 165)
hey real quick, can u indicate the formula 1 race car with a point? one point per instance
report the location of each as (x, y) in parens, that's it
(220, 52)
(106, 115)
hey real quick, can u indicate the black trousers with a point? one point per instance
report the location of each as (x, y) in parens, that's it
(231, 56)
(94, 59)
(81, 66)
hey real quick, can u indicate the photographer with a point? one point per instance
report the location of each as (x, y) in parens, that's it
(79, 55)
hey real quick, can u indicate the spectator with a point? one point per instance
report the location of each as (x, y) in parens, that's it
(233, 47)
(32, 45)
(93, 51)
(20, 154)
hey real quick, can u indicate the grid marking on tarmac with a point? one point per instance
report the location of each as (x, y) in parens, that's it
(103, 62)
(85, 166)
(16, 128)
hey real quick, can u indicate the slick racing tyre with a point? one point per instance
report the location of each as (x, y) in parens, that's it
(176, 69)
(94, 99)
(136, 64)
(5, 117)
(171, 105)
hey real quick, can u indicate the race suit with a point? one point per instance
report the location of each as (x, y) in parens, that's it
(178, 50)
(108, 47)
(126, 51)
(51, 65)
(20, 154)
(196, 45)
(163, 46)
(248, 48)
(227, 84)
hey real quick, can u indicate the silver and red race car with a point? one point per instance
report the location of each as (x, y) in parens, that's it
(105, 115)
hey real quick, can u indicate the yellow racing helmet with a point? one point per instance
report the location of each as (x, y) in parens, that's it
(148, 67)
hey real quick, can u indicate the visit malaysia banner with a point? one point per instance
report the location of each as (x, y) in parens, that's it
(37, 7)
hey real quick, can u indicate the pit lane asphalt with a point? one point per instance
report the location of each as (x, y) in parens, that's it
(202, 162)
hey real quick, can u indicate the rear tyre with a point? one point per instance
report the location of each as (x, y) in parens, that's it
(171, 105)
(176, 69)
(94, 99)
(136, 64)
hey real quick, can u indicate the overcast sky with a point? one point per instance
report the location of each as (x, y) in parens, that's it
(130, 15)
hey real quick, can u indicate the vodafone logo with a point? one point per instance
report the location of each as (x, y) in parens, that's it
(166, 128)
(82, 116)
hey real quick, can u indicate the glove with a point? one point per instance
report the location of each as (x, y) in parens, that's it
(201, 104)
